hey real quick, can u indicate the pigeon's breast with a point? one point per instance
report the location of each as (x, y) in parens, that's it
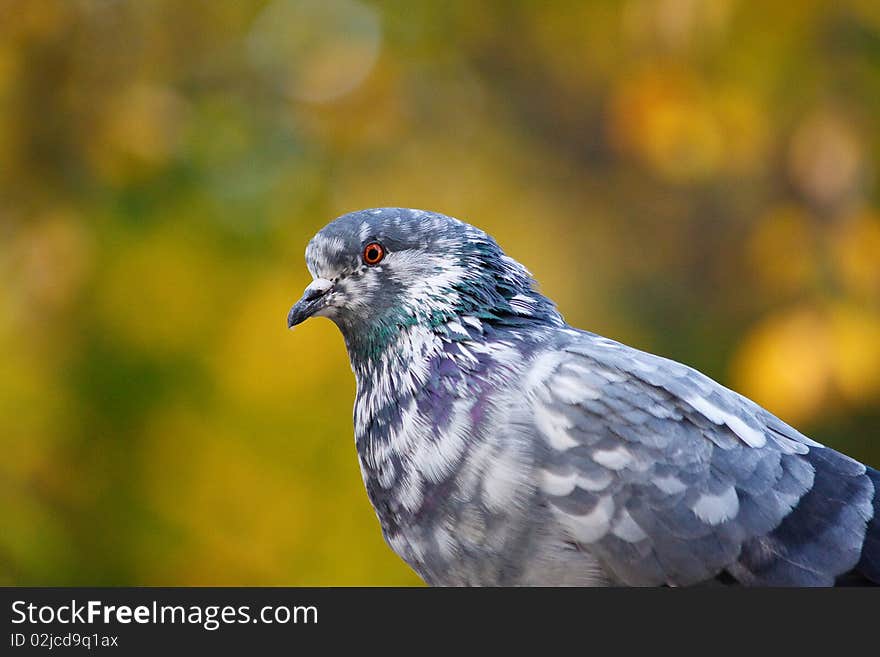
(442, 476)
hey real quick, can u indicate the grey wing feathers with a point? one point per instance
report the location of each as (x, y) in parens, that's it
(670, 478)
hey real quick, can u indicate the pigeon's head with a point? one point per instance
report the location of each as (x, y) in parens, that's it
(379, 271)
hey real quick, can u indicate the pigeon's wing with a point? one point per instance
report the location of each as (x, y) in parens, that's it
(670, 478)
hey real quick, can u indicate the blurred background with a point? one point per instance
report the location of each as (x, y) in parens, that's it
(697, 178)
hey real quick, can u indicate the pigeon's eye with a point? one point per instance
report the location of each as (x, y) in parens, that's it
(373, 253)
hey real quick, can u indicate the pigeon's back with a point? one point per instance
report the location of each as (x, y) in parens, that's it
(667, 477)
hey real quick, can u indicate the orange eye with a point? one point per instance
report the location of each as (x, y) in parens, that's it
(373, 253)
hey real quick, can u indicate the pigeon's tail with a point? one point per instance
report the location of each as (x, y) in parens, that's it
(825, 532)
(868, 568)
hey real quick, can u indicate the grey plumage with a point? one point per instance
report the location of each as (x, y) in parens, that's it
(500, 446)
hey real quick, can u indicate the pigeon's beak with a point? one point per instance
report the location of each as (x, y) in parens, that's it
(314, 299)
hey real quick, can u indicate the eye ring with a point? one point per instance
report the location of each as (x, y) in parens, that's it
(373, 253)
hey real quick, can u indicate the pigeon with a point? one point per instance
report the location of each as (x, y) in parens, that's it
(500, 446)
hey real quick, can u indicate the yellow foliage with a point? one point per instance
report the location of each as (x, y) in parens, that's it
(140, 133)
(237, 516)
(784, 364)
(51, 260)
(854, 339)
(783, 249)
(162, 291)
(796, 361)
(856, 252)
(826, 158)
(685, 131)
(260, 361)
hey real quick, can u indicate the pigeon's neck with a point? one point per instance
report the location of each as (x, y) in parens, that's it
(406, 333)
(418, 358)
(421, 357)
(393, 364)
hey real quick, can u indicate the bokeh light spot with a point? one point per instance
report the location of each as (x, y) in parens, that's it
(315, 50)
